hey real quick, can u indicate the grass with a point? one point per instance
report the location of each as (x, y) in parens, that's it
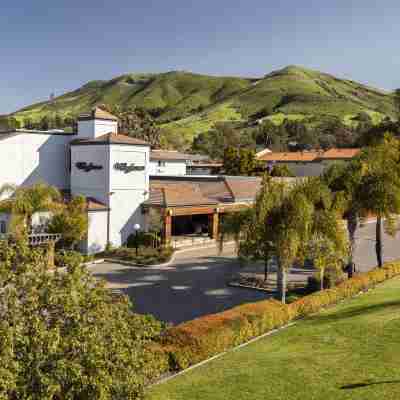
(194, 102)
(204, 121)
(350, 351)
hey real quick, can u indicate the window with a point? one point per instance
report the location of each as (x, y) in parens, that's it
(161, 163)
(3, 227)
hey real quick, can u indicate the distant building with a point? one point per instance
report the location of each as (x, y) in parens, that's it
(307, 163)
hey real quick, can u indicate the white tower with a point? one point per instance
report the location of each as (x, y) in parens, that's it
(96, 123)
(114, 170)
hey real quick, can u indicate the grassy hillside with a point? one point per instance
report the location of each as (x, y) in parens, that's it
(190, 103)
(350, 351)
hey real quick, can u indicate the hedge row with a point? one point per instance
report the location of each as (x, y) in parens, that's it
(194, 341)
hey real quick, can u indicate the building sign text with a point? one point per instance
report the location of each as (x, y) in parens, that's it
(125, 167)
(87, 167)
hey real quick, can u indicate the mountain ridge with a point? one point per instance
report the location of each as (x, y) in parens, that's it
(186, 103)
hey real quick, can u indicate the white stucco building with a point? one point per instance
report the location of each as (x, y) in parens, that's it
(113, 172)
(96, 162)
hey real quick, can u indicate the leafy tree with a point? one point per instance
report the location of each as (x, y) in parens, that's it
(214, 142)
(397, 102)
(240, 161)
(26, 201)
(334, 126)
(71, 222)
(28, 124)
(344, 180)
(327, 244)
(378, 192)
(44, 123)
(65, 336)
(138, 123)
(9, 123)
(289, 224)
(370, 185)
(281, 170)
(273, 136)
(58, 121)
(155, 226)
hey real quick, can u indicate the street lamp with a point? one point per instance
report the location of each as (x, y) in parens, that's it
(136, 228)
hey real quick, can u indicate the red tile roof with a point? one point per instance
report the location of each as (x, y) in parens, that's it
(169, 155)
(309, 156)
(332, 154)
(295, 156)
(195, 191)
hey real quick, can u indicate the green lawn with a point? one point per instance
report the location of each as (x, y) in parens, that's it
(351, 351)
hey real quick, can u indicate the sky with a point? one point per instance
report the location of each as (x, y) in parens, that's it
(54, 46)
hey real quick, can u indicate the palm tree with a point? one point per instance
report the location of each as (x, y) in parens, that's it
(23, 202)
(378, 192)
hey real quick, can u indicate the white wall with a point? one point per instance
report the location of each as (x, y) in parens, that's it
(94, 128)
(94, 183)
(170, 168)
(97, 233)
(27, 158)
(129, 191)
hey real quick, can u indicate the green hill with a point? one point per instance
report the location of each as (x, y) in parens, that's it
(188, 103)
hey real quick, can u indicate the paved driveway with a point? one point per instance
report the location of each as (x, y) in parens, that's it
(195, 284)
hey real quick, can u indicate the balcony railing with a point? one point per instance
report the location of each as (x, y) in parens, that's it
(37, 239)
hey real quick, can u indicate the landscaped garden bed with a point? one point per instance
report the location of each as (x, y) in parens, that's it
(143, 256)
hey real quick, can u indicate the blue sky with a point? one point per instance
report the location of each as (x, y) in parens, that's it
(56, 46)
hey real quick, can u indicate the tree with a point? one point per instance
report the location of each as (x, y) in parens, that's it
(240, 161)
(287, 227)
(378, 192)
(136, 122)
(370, 185)
(44, 124)
(28, 124)
(71, 222)
(26, 201)
(65, 336)
(281, 170)
(344, 181)
(327, 244)
(397, 102)
(155, 226)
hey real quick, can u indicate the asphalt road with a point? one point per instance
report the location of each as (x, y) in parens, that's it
(195, 284)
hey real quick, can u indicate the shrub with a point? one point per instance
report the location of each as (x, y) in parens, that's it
(64, 258)
(332, 277)
(197, 340)
(194, 341)
(147, 256)
(315, 302)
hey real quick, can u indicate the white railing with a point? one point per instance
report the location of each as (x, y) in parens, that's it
(36, 239)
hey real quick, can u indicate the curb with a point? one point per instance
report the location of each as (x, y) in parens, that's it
(239, 285)
(89, 263)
